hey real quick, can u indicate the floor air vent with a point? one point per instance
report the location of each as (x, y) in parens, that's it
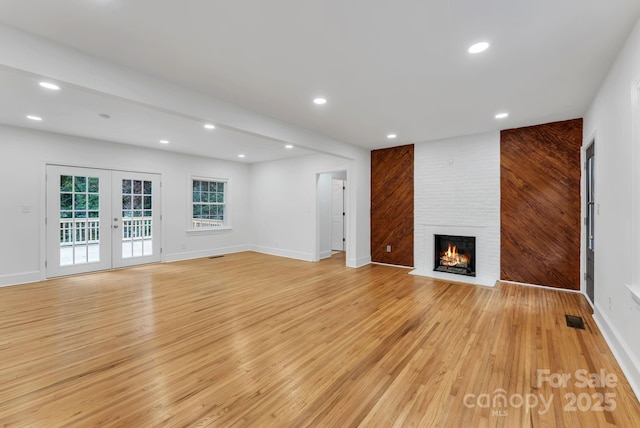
(574, 321)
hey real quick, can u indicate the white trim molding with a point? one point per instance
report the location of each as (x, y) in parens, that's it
(20, 278)
(177, 257)
(290, 254)
(628, 362)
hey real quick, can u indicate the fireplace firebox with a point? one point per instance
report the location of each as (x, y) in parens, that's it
(455, 254)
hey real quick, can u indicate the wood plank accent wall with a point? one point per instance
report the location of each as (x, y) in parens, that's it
(540, 204)
(392, 205)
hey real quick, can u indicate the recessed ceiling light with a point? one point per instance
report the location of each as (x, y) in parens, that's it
(164, 141)
(36, 118)
(479, 47)
(241, 156)
(502, 115)
(319, 100)
(289, 146)
(392, 136)
(209, 126)
(49, 85)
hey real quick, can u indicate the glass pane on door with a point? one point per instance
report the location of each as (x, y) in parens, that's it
(137, 218)
(79, 227)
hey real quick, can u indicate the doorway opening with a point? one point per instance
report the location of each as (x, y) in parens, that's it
(100, 219)
(332, 198)
(590, 210)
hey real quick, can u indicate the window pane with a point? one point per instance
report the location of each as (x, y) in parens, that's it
(94, 201)
(80, 184)
(147, 202)
(66, 201)
(137, 213)
(148, 213)
(94, 185)
(137, 202)
(220, 197)
(197, 211)
(147, 187)
(126, 187)
(137, 187)
(66, 183)
(126, 202)
(80, 202)
(80, 214)
(94, 214)
(66, 214)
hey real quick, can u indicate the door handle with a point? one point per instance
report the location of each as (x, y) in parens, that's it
(115, 226)
(115, 219)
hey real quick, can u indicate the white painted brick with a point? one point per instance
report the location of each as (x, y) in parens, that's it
(457, 188)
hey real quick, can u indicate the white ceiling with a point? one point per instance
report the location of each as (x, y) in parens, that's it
(384, 66)
(77, 111)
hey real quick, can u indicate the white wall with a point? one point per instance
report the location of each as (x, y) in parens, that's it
(457, 192)
(610, 119)
(24, 154)
(285, 207)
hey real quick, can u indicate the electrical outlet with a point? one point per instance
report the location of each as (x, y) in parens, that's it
(388, 248)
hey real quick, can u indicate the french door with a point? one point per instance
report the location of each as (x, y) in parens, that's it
(100, 219)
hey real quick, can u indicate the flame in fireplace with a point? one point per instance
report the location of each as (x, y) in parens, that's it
(451, 257)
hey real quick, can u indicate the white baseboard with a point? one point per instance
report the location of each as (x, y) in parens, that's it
(628, 362)
(357, 263)
(20, 278)
(176, 257)
(298, 255)
(546, 287)
(390, 265)
(325, 254)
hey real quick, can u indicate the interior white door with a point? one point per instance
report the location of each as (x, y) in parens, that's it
(100, 219)
(78, 228)
(337, 214)
(136, 218)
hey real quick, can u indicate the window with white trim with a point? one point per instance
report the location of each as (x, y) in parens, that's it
(209, 209)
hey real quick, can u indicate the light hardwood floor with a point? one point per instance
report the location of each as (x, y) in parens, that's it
(255, 340)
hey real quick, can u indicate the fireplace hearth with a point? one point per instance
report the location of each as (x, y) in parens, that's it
(455, 254)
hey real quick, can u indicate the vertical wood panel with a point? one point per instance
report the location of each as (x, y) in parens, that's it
(392, 205)
(540, 204)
